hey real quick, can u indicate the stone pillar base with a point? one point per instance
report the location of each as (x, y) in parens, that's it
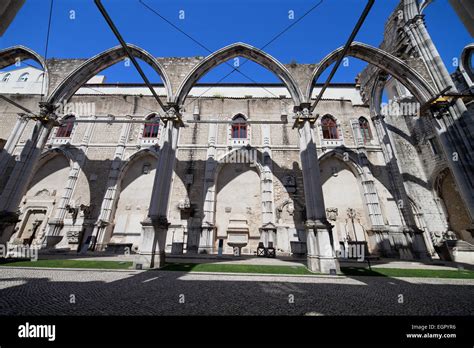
(149, 260)
(152, 248)
(320, 255)
(323, 265)
(206, 240)
(206, 250)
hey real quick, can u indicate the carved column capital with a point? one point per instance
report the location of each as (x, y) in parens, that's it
(173, 114)
(48, 114)
(304, 114)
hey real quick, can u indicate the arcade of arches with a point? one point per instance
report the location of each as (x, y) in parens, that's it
(351, 176)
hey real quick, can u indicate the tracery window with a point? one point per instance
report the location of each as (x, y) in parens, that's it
(152, 127)
(365, 129)
(239, 127)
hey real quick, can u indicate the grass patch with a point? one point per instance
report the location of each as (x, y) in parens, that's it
(236, 268)
(301, 270)
(71, 264)
(399, 272)
(228, 268)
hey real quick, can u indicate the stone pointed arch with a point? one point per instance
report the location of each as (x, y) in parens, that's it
(222, 160)
(50, 154)
(101, 61)
(376, 93)
(239, 49)
(347, 157)
(10, 55)
(465, 65)
(126, 164)
(385, 61)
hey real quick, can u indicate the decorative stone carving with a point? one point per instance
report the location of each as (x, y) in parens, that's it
(331, 213)
(146, 168)
(72, 211)
(73, 237)
(43, 192)
(289, 182)
(85, 210)
(291, 209)
(449, 235)
(351, 213)
(184, 204)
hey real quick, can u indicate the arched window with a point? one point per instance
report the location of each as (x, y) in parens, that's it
(151, 127)
(365, 129)
(24, 77)
(239, 127)
(65, 129)
(329, 127)
(6, 77)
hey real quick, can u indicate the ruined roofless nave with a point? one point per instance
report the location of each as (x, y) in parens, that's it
(235, 165)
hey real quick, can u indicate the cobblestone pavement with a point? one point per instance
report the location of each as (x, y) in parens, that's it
(47, 291)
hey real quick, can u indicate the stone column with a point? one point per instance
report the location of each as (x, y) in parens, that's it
(24, 169)
(320, 252)
(421, 249)
(55, 225)
(112, 184)
(268, 229)
(155, 226)
(456, 127)
(267, 178)
(371, 197)
(206, 240)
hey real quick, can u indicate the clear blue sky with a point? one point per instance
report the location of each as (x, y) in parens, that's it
(216, 23)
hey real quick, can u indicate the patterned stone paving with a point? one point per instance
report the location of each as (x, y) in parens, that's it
(92, 292)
